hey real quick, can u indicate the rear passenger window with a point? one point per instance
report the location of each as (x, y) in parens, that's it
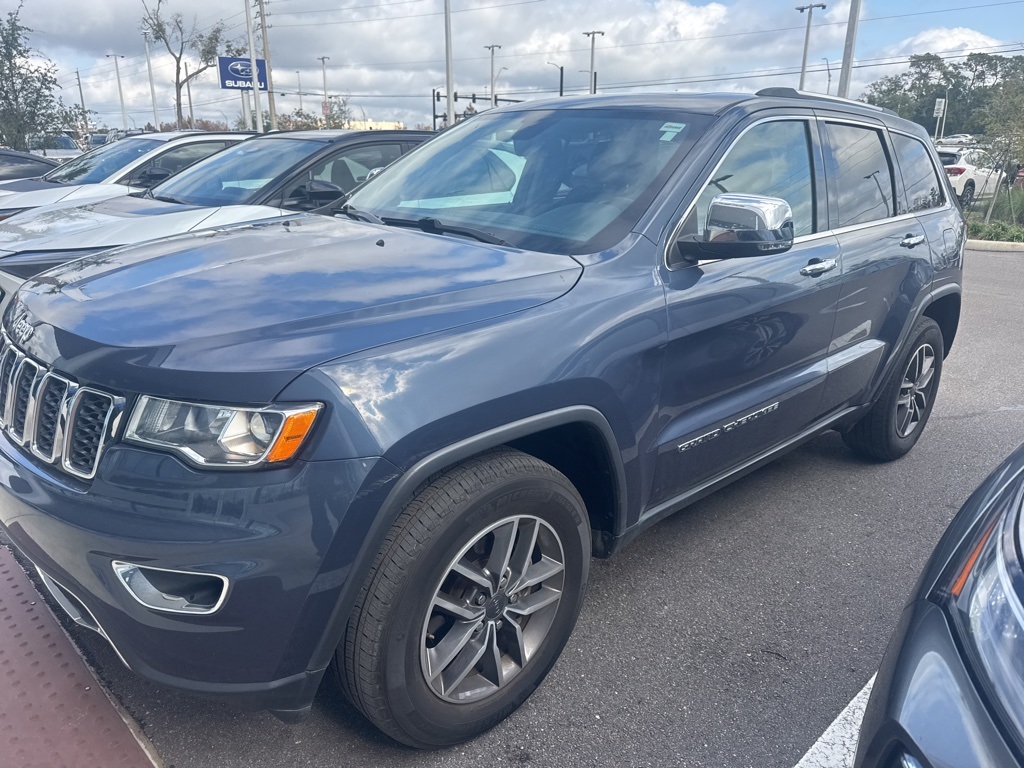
(861, 174)
(923, 186)
(771, 159)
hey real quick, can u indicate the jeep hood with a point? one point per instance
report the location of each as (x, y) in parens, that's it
(119, 221)
(237, 314)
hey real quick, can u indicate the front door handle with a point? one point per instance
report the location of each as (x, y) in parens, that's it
(911, 240)
(819, 267)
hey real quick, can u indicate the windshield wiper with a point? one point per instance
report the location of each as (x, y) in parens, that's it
(434, 226)
(166, 199)
(358, 215)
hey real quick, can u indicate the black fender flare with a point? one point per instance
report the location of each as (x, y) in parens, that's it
(406, 485)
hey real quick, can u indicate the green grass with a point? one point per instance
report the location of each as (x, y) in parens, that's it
(996, 230)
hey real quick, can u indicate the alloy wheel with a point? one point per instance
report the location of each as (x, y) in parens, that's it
(915, 391)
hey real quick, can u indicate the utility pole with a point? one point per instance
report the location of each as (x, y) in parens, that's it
(81, 101)
(449, 74)
(255, 69)
(593, 41)
(326, 104)
(848, 48)
(265, 36)
(491, 49)
(188, 90)
(561, 77)
(807, 38)
(828, 88)
(152, 88)
(299, 78)
(120, 93)
(246, 110)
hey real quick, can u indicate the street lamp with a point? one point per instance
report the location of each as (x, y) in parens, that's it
(120, 93)
(828, 88)
(494, 81)
(593, 40)
(561, 77)
(326, 104)
(807, 37)
(299, 78)
(491, 49)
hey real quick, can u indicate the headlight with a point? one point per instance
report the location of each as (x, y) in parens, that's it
(222, 436)
(986, 607)
(6, 213)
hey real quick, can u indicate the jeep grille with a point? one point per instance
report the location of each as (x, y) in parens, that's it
(60, 422)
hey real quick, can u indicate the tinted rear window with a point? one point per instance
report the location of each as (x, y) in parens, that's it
(949, 158)
(922, 184)
(860, 173)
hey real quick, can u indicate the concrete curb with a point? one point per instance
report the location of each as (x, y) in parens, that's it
(994, 245)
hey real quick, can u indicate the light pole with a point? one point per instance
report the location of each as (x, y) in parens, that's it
(326, 104)
(807, 38)
(561, 77)
(265, 36)
(494, 81)
(120, 93)
(828, 69)
(152, 88)
(299, 78)
(491, 49)
(255, 70)
(848, 48)
(449, 73)
(593, 40)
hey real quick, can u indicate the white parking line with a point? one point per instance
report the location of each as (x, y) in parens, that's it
(838, 744)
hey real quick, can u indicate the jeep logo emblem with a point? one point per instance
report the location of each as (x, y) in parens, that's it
(21, 330)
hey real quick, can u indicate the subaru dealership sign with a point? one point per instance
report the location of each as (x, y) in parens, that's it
(237, 73)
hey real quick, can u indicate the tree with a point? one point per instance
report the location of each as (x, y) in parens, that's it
(178, 37)
(28, 104)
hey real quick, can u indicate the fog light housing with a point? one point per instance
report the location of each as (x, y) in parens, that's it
(170, 591)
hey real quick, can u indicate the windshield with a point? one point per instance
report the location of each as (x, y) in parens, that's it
(560, 181)
(238, 174)
(101, 163)
(949, 158)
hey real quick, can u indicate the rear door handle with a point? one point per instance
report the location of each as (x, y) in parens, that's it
(819, 267)
(911, 240)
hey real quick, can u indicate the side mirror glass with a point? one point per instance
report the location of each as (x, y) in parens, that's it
(321, 192)
(151, 177)
(742, 226)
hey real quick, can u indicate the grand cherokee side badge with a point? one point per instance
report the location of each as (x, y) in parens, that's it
(728, 427)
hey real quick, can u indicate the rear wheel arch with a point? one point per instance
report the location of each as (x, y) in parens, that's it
(945, 311)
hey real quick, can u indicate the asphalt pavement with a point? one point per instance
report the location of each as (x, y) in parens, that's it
(731, 634)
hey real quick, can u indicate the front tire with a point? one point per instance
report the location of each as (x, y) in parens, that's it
(470, 602)
(895, 422)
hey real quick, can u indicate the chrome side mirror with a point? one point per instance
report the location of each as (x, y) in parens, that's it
(373, 172)
(748, 225)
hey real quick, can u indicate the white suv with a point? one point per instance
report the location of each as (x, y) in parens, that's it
(971, 172)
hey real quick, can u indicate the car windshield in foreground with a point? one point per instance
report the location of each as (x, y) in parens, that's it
(238, 174)
(557, 180)
(101, 163)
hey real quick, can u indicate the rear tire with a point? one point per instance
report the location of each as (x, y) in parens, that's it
(470, 602)
(967, 196)
(895, 422)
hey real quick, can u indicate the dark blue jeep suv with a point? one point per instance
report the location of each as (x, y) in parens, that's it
(390, 440)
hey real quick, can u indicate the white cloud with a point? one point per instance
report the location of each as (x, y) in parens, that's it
(391, 64)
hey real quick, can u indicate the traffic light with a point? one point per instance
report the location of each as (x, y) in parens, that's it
(455, 96)
(474, 98)
(437, 95)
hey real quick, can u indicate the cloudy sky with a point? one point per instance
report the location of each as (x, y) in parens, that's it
(387, 55)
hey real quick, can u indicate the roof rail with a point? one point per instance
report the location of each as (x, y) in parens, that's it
(793, 93)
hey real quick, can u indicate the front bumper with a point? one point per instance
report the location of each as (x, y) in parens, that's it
(285, 539)
(925, 703)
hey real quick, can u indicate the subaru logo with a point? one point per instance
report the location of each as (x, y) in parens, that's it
(240, 69)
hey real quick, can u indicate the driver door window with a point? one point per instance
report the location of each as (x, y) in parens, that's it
(772, 159)
(345, 170)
